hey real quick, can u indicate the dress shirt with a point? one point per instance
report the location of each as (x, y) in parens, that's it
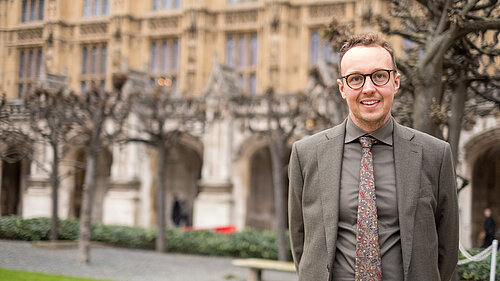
(385, 190)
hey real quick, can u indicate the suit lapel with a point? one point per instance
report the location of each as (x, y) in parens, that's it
(329, 155)
(408, 163)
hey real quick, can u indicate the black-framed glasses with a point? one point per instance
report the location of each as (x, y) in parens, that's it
(379, 78)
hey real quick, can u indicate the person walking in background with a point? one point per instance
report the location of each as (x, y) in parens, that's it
(489, 228)
(176, 212)
(370, 199)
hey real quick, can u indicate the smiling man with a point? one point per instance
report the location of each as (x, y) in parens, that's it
(370, 199)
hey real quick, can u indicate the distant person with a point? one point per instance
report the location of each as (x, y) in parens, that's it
(176, 212)
(184, 216)
(489, 228)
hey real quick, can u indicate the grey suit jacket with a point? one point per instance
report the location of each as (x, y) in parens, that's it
(426, 198)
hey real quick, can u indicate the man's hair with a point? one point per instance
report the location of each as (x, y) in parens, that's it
(367, 40)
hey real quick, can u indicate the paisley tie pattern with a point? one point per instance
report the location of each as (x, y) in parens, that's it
(368, 261)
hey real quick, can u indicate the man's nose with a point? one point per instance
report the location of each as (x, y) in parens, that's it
(368, 87)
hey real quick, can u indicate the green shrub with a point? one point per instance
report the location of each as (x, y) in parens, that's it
(479, 271)
(246, 244)
(13, 227)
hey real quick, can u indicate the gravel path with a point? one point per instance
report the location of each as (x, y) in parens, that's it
(120, 264)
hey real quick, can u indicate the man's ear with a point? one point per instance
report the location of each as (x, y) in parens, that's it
(397, 82)
(341, 87)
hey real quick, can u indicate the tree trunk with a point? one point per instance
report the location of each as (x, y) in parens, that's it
(457, 115)
(427, 90)
(54, 221)
(160, 200)
(276, 149)
(86, 209)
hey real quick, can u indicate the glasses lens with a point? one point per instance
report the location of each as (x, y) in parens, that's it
(380, 77)
(355, 80)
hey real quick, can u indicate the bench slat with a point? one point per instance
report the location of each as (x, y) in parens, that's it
(265, 264)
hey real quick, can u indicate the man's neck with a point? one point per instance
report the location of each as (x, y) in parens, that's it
(370, 127)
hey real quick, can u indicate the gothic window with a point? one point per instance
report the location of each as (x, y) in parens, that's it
(164, 65)
(32, 10)
(93, 8)
(30, 61)
(241, 53)
(166, 4)
(319, 48)
(94, 57)
(229, 51)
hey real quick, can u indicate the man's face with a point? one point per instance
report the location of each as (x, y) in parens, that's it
(369, 106)
(487, 212)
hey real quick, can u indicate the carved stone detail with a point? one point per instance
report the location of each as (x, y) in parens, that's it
(29, 34)
(164, 23)
(118, 4)
(52, 9)
(241, 17)
(327, 10)
(94, 28)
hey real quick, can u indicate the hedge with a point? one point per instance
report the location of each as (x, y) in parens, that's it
(479, 271)
(246, 244)
(249, 243)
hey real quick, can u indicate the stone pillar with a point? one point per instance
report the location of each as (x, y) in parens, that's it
(121, 201)
(214, 204)
(36, 199)
(121, 204)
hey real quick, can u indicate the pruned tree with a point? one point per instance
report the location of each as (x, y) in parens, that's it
(326, 103)
(52, 120)
(449, 60)
(162, 119)
(12, 137)
(438, 29)
(101, 116)
(15, 146)
(277, 118)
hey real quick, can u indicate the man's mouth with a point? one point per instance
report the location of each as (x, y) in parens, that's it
(369, 102)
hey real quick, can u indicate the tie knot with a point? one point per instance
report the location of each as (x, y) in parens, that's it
(367, 142)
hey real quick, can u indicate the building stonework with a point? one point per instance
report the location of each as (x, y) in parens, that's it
(222, 175)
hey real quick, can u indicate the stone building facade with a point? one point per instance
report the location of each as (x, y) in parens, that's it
(224, 174)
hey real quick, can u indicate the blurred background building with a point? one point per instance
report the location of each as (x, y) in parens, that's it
(223, 175)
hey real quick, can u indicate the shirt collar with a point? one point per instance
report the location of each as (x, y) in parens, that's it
(382, 134)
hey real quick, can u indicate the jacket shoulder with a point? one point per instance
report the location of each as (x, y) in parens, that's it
(320, 137)
(422, 138)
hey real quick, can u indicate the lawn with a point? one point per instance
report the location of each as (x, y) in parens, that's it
(17, 275)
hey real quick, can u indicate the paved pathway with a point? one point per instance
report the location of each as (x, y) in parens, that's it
(125, 264)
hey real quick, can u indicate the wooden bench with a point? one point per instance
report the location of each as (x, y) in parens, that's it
(256, 267)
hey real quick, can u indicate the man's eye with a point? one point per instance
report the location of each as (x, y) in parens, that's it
(380, 76)
(356, 78)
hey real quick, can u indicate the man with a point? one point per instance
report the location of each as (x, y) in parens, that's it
(371, 199)
(489, 228)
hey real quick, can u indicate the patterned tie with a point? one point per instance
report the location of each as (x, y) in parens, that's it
(368, 262)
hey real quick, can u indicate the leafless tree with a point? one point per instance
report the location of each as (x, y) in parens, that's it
(52, 119)
(101, 116)
(438, 28)
(326, 103)
(450, 48)
(11, 134)
(277, 118)
(162, 119)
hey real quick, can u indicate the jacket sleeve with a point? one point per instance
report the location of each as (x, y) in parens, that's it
(295, 215)
(447, 217)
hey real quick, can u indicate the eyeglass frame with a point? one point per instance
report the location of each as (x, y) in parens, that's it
(371, 78)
